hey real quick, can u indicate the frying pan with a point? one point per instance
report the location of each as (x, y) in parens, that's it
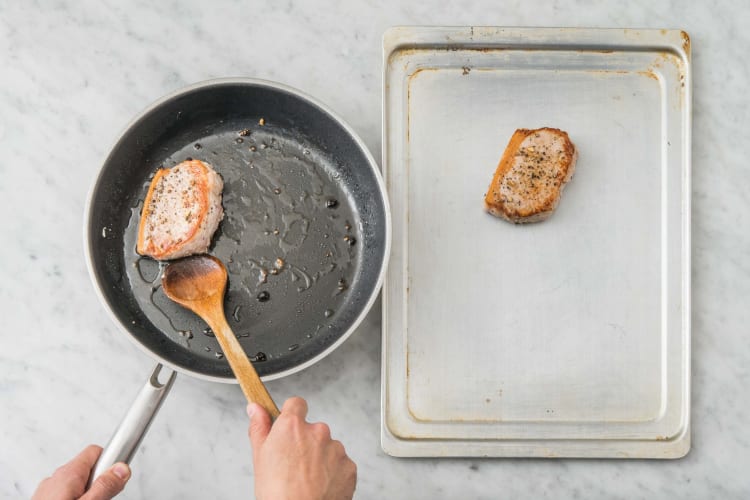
(305, 235)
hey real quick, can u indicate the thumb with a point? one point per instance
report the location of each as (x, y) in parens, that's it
(109, 484)
(260, 425)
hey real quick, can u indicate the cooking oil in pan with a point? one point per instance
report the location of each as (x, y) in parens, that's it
(286, 239)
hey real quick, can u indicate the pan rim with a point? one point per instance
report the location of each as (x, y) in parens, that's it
(257, 82)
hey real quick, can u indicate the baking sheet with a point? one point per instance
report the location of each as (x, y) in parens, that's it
(569, 337)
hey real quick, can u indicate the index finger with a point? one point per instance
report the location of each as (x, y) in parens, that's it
(295, 406)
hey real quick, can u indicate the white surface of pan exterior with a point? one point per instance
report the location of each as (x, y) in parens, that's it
(570, 337)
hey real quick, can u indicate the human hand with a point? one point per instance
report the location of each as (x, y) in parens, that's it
(69, 481)
(294, 459)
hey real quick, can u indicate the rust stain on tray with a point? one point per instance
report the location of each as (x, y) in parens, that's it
(649, 74)
(685, 42)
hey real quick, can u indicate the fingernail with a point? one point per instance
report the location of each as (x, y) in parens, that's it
(250, 410)
(121, 470)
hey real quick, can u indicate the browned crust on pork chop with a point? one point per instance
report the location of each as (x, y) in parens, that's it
(531, 175)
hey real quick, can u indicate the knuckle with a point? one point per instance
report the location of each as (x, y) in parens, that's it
(295, 404)
(298, 424)
(338, 447)
(321, 430)
(109, 483)
(289, 420)
(296, 400)
(289, 424)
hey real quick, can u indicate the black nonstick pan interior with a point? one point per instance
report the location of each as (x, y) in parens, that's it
(304, 236)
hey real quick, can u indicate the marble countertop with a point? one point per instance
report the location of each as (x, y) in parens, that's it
(74, 73)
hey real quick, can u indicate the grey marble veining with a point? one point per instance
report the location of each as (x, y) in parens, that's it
(74, 73)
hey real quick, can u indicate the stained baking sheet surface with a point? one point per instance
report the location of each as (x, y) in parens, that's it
(568, 337)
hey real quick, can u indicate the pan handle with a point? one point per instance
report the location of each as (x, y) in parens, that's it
(128, 435)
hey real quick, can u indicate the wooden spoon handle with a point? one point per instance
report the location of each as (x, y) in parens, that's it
(243, 369)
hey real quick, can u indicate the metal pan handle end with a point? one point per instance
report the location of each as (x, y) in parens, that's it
(133, 427)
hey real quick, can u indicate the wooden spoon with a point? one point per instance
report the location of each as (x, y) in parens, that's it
(198, 283)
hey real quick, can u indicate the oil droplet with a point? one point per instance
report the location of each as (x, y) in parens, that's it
(239, 140)
(208, 349)
(298, 273)
(262, 122)
(208, 332)
(332, 203)
(148, 269)
(187, 334)
(351, 240)
(197, 146)
(263, 296)
(293, 347)
(236, 313)
(253, 149)
(328, 313)
(219, 355)
(277, 191)
(245, 132)
(260, 357)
